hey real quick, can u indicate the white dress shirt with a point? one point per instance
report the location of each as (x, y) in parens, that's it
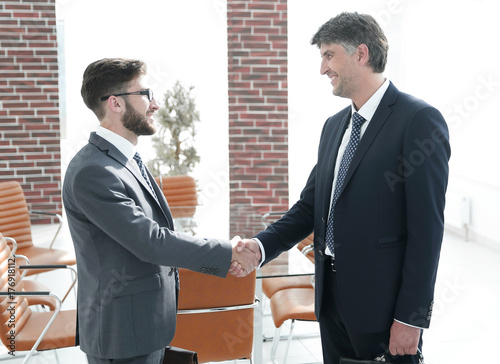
(122, 144)
(367, 111)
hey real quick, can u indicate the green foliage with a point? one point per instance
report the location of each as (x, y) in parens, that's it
(174, 139)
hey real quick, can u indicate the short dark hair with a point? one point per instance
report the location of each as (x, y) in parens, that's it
(108, 76)
(352, 29)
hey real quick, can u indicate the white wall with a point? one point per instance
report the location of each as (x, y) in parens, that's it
(179, 40)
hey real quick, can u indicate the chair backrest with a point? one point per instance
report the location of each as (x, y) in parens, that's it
(14, 214)
(13, 312)
(306, 242)
(181, 194)
(218, 335)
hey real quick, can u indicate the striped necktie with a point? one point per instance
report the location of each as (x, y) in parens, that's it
(357, 122)
(142, 168)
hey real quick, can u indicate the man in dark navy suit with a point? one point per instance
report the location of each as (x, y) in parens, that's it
(374, 200)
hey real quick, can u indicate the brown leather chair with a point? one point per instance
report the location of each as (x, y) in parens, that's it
(272, 285)
(181, 194)
(7, 264)
(15, 223)
(216, 316)
(290, 304)
(29, 285)
(33, 330)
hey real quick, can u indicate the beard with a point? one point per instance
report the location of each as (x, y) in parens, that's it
(136, 122)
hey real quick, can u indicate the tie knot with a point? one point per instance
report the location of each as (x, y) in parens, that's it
(137, 158)
(357, 120)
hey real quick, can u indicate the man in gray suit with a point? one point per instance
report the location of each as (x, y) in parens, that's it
(126, 247)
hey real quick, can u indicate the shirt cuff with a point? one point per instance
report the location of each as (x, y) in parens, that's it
(262, 252)
(404, 323)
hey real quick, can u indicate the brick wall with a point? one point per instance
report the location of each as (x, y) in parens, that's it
(29, 101)
(258, 111)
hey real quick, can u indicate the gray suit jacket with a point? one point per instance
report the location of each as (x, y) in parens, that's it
(126, 247)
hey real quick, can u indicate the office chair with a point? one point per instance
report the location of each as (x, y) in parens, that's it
(215, 316)
(15, 223)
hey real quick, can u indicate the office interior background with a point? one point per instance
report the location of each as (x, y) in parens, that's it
(442, 51)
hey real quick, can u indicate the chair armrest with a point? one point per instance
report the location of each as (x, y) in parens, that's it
(220, 309)
(54, 266)
(53, 214)
(307, 249)
(49, 323)
(45, 266)
(30, 293)
(14, 244)
(17, 256)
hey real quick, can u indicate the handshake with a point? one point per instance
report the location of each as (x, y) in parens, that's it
(245, 258)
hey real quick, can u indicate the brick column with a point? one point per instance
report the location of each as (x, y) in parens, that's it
(258, 111)
(29, 112)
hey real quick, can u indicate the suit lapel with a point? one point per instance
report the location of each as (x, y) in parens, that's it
(160, 198)
(114, 153)
(132, 167)
(162, 201)
(379, 118)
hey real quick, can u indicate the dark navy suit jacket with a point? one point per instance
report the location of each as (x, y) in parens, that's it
(388, 219)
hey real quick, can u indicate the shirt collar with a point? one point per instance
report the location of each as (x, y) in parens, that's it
(122, 144)
(369, 108)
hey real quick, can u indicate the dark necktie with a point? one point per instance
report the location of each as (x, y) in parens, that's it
(357, 121)
(142, 168)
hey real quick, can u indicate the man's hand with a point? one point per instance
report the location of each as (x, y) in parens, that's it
(404, 339)
(246, 256)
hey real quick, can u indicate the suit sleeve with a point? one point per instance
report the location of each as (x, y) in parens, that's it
(293, 227)
(426, 153)
(111, 208)
(298, 222)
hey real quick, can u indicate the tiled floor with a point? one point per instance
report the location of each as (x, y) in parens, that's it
(464, 327)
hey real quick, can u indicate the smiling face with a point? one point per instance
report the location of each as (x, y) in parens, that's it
(139, 114)
(339, 66)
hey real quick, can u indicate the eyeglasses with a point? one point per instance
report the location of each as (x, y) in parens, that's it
(148, 93)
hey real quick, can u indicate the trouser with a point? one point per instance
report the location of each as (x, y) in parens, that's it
(155, 357)
(337, 342)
